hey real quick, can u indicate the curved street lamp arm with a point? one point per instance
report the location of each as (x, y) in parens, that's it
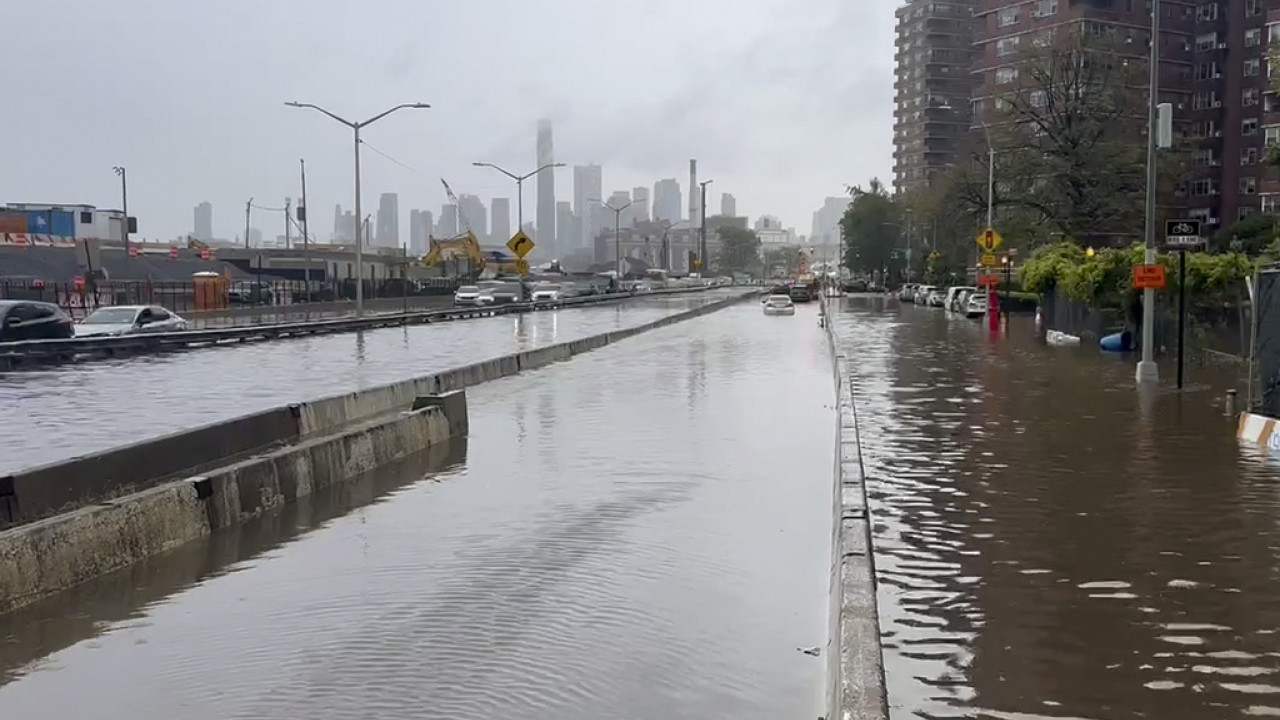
(385, 113)
(511, 175)
(342, 120)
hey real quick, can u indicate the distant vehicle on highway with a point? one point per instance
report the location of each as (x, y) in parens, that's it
(248, 292)
(545, 292)
(471, 295)
(779, 305)
(508, 292)
(32, 320)
(129, 320)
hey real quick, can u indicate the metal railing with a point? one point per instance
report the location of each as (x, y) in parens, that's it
(28, 353)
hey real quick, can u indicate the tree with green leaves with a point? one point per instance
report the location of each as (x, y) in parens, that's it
(783, 261)
(871, 228)
(739, 250)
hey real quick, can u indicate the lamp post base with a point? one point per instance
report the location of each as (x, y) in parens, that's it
(1147, 371)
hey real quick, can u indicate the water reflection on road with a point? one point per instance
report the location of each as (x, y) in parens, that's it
(642, 532)
(1049, 543)
(50, 415)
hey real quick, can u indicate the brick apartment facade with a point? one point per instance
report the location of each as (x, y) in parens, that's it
(1213, 70)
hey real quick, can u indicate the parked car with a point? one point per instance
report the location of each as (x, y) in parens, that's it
(977, 305)
(921, 296)
(129, 320)
(32, 320)
(472, 296)
(936, 297)
(779, 305)
(953, 293)
(250, 292)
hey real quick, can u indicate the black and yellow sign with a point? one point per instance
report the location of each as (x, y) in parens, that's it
(520, 244)
(989, 240)
(522, 265)
(989, 259)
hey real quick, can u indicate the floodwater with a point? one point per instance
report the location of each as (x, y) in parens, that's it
(640, 532)
(1049, 542)
(64, 411)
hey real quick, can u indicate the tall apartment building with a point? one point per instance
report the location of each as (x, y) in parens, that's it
(934, 84)
(640, 210)
(546, 180)
(668, 201)
(388, 228)
(203, 225)
(728, 205)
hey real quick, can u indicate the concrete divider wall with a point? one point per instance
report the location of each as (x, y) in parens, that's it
(855, 659)
(43, 491)
(44, 557)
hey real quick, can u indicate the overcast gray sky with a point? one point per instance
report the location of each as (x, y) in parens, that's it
(782, 102)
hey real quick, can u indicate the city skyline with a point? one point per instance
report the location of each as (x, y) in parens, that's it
(194, 127)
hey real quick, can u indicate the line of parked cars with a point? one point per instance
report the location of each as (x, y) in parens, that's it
(34, 320)
(960, 299)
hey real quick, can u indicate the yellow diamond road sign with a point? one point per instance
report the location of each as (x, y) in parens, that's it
(988, 259)
(520, 244)
(989, 239)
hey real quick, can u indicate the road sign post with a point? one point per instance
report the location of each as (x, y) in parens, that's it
(1182, 235)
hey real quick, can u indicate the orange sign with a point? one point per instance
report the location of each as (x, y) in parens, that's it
(988, 280)
(1148, 276)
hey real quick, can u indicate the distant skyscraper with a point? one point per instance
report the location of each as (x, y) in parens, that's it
(203, 226)
(667, 205)
(546, 190)
(448, 226)
(500, 225)
(474, 214)
(618, 199)
(344, 225)
(566, 227)
(640, 210)
(588, 187)
(388, 229)
(419, 229)
(337, 222)
(728, 205)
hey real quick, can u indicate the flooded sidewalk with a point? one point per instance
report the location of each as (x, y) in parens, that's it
(1049, 542)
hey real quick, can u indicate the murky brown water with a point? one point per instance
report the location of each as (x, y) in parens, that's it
(642, 532)
(1051, 544)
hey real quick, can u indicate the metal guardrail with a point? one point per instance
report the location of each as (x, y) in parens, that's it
(29, 353)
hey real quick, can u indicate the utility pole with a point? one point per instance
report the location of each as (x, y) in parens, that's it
(519, 186)
(1147, 370)
(124, 202)
(702, 227)
(302, 215)
(288, 223)
(248, 207)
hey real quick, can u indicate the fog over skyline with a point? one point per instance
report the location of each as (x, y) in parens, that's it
(782, 105)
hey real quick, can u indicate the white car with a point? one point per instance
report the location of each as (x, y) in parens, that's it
(779, 305)
(472, 296)
(129, 320)
(545, 292)
(977, 305)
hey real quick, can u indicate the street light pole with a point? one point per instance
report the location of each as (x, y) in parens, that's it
(702, 226)
(1147, 370)
(355, 127)
(124, 202)
(617, 234)
(519, 186)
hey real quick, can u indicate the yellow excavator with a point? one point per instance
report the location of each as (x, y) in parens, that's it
(460, 248)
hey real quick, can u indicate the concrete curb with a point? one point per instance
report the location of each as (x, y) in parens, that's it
(336, 439)
(855, 659)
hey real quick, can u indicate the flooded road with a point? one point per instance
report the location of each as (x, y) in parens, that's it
(54, 414)
(641, 532)
(1048, 543)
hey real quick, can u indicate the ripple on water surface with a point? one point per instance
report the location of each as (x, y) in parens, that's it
(637, 533)
(1051, 545)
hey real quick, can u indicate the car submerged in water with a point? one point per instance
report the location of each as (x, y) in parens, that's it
(779, 304)
(129, 320)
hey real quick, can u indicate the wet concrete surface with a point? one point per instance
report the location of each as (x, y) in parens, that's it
(1049, 542)
(641, 532)
(56, 413)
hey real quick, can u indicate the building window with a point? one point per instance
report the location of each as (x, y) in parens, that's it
(1252, 8)
(1045, 8)
(1203, 157)
(1003, 105)
(1273, 32)
(1006, 75)
(1271, 135)
(1252, 66)
(1253, 37)
(1006, 46)
(1208, 41)
(1202, 187)
(1207, 71)
(1207, 12)
(1270, 203)
(1249, 156)
(1039, 99)
(1043, 39)
(1249, 127)
(1244, 212)
(1008, 16)
(1248, 185)
(1250, 97)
